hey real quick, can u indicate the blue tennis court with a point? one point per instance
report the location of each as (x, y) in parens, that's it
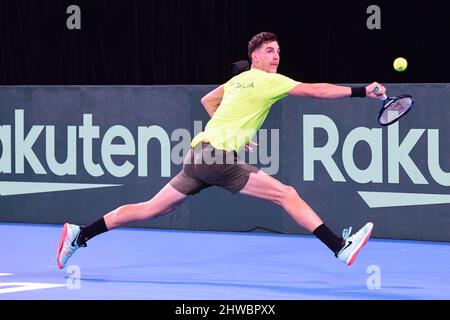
(132, 263)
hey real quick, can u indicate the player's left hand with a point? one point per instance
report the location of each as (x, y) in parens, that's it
(249, 146)
(371, 87)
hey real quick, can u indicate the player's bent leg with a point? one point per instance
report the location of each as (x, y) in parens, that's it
(167, 199)
(263, 186)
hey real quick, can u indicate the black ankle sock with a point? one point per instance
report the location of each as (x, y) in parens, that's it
(329, 238)
(91, 231)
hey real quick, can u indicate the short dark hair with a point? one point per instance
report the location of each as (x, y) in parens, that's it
(258, 40)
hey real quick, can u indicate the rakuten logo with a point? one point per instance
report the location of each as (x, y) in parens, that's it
(122, 149)
(398, 153)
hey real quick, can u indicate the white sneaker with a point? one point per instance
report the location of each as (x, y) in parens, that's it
(354, 243)
(67, 244)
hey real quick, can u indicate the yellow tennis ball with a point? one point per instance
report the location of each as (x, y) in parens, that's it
(400, 64)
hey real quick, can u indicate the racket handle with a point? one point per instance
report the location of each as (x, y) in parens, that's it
(383, 97)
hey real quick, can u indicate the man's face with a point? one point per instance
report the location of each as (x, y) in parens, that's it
(267, 57)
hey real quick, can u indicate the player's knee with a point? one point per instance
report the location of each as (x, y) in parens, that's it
(285, 193)
(291, 192)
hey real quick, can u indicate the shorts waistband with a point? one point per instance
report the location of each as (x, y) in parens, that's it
(206, 142)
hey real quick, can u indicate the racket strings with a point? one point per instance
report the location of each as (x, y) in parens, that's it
(400, 105)
(395, 109)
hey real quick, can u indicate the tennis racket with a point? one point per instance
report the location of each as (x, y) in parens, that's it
(393, 108)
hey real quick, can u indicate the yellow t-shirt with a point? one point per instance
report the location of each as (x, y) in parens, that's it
(245, 104)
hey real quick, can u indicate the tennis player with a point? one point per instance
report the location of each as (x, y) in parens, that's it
(237, 109)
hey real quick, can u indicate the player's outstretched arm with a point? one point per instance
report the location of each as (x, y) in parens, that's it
(331, 91)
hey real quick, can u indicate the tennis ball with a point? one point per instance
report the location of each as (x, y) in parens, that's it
(400, 64)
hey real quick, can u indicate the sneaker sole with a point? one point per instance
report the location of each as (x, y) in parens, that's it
(60, 245)
(353, 256)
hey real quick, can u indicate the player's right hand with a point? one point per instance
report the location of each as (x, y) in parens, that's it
(370, 90)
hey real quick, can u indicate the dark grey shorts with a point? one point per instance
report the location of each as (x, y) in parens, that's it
(205, 166)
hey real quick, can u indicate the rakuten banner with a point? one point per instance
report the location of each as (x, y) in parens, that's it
(74, 153)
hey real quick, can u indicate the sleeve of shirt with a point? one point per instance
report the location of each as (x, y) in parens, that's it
(278, 86)
(226, 85)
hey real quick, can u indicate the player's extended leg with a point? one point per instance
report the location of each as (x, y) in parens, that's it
(263, 186)
(73, 237)
(167, 199)
(162, 203)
